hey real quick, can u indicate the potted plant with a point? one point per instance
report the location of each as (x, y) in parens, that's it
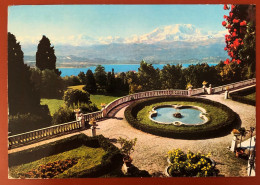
(103, 105)
(126, 148)
(92, 122)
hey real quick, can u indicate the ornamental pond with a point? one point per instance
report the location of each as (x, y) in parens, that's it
(187, 115)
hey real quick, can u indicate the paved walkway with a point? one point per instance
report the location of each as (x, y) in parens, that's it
(151, 150)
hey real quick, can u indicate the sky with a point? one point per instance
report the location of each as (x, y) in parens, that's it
(104, 24)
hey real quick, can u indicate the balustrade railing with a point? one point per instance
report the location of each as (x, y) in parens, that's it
(42, 134)
(234, 85)
(53, 131)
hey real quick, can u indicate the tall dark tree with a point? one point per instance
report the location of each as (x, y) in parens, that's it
(100, 77)
(45, 56)
(25, 111)
(90, 86)
(111, 82)
(22, 96)
(82, 77)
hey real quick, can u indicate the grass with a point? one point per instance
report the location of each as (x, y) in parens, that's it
(215, 115)
(79, 87)
(251, 96)
(53, 104)
(100, 98)
(87, 158)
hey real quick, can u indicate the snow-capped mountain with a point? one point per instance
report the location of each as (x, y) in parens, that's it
(179, 41)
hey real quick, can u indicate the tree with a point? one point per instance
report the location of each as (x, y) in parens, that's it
(45, 56)
(240, 42)
(171, 77)
(100, 77)
(111, 82)
(196, 74)
(82, 77)
(148, 77)
(90, 86)
(76, 97)
(52, 85)
(25, 111)
(22, 96)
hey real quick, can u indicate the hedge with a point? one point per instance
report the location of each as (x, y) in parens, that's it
(111, 160)
(239, 96)
(204, 131)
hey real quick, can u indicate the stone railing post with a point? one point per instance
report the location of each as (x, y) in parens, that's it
(234, 143)
(190, 91)
(82, 119)
(209, 89)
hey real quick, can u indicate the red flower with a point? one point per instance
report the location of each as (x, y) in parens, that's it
(229, 26)
(225, 16)
(234, 34)
(235, 21)
(226, 7)
(225, 48)
(232, 6)
(231, 14)
(243, 23)
(238, 61)
(224, 23)
(227, 61)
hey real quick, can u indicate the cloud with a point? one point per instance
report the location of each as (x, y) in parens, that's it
(165, 34)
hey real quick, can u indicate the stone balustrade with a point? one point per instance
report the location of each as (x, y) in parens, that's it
(56, 130)
(234, 85)
(42, 134)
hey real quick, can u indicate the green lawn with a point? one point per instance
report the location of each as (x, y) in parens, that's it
(99, 98)
(215, 114)
(87, 158)
(53, 104)
(79, 87)
(251, 96)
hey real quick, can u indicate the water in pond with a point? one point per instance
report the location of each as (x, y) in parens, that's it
(189, 115)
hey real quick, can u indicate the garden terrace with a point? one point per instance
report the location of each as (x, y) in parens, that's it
(66, 128)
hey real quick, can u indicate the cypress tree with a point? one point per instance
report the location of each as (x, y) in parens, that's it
(22, 96)
(45, 56)
(90, 86)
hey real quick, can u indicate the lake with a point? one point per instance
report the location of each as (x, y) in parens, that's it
(108, 68)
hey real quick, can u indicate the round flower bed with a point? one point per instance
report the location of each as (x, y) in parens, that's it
(190, 164)
(221, 119)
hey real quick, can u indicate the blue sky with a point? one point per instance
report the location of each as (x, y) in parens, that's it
(68, 23)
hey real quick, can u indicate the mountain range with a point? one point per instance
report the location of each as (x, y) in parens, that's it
(178, 43)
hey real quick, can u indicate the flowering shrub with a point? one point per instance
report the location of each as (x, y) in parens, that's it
(190, 164)
(236, 22)
(50, 170)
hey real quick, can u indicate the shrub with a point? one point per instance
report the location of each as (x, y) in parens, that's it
(63, 115)
(66, 114)
(190, 164)
(208, 130)
(20, 123)
(74, 96)
(240, 96)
